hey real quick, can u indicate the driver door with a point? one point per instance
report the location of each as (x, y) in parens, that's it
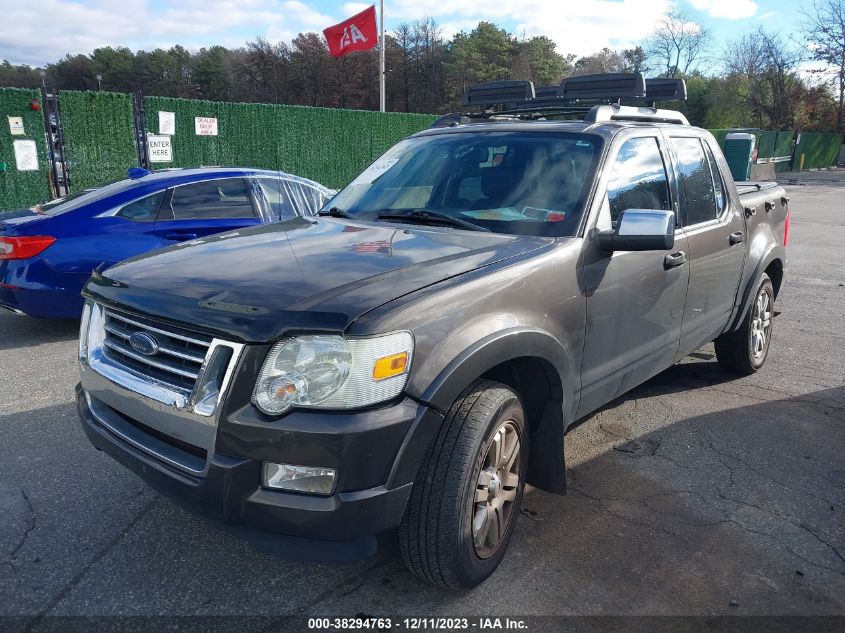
(635, 299)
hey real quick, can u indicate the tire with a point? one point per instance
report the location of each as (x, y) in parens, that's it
(459, 487)
(745, 350)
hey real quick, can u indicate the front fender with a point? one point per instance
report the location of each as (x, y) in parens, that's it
(547, 466)
(494, 349)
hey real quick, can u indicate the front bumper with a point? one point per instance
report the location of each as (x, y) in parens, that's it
(380, 449)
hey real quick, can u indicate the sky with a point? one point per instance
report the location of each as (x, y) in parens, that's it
(41, 31)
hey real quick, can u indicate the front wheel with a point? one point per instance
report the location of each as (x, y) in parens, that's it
(466, 498)
(745, 350)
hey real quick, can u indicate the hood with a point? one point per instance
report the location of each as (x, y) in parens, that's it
(307, 273)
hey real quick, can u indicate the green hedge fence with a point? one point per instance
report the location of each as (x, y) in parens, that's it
(22, 188)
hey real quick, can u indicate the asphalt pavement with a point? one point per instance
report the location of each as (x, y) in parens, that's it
(699, 493)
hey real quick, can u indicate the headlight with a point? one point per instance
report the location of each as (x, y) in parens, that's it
(332, 372)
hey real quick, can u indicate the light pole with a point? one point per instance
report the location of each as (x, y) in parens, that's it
(381, 60)
(99, 79)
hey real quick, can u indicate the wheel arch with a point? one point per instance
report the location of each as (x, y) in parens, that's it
(773, 263)
(535, 365)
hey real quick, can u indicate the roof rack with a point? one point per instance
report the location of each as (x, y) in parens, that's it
(593, 98)
(604, 113)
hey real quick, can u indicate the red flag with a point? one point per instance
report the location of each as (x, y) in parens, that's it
(358, 33)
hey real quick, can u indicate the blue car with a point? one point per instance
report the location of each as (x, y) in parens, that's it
(48, 253)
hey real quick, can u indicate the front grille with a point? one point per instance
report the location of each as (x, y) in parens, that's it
(176, 362)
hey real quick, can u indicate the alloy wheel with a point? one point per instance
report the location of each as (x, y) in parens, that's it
(496, 489)
(761, 325)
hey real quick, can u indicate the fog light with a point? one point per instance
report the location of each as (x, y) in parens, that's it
(311, 479)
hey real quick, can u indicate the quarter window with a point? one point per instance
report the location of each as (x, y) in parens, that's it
(143, 210)
(638, 178)
(224, 198)
(718, 183)
(696, 181)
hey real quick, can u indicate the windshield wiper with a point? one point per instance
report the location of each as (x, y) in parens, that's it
(335, 212)
(432, 217)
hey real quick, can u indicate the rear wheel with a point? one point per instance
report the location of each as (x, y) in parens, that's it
(466, 498)
(745, 350)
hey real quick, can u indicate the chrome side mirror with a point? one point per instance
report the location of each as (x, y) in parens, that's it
(640, 230)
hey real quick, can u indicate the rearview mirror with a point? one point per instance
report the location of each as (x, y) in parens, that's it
(640, 230)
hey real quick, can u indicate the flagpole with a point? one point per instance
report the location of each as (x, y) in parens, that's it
(381, 59)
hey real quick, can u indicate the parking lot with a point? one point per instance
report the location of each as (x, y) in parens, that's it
(699, 493)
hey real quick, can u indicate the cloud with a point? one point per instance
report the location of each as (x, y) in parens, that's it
(80, 27)
(729, 9)
(580, 27)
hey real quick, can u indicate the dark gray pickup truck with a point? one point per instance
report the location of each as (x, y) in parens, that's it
(413, 356)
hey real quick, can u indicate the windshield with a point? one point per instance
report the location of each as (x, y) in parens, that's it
(523, 183)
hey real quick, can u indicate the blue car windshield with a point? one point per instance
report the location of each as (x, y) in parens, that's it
(522, 183)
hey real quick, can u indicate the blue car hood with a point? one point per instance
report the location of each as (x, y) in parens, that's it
(307, 273)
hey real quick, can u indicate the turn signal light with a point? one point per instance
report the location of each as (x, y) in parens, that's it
(24, 247)
(389, 366)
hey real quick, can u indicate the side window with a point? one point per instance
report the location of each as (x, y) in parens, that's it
(143, 210)
(718, 183)
(224, 198)
(638, 178)
(696, 181)
(279, 195)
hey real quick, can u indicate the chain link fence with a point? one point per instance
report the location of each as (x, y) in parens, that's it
(331, 146)
(22, 188)
(99, 136)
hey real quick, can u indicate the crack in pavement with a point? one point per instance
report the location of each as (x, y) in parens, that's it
(100, 555)
(31, 521)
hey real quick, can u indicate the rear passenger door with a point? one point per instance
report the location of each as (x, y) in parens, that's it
(715, 230)
(199, 209)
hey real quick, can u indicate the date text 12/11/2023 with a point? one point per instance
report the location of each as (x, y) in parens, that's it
(417, 624)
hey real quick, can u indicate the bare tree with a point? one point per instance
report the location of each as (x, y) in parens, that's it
(770, 84)
(678, 43)
(824, 30)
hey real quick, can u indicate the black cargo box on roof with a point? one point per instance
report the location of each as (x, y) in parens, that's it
(498, 92)
(604, 86)
(661, 89)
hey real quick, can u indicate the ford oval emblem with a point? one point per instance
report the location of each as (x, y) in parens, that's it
(144, 343)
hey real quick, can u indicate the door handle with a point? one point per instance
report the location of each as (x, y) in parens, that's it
(180, 237)
(673, 260)
(736, 238)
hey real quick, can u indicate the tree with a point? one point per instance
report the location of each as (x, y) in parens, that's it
(678, 44)
(824, 29)
(211, 74)
(19, 76)
(768, 69)
(485, 54)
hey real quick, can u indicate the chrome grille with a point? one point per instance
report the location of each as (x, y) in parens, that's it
(177, 360)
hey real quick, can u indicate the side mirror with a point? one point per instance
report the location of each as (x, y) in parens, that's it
(640, 230)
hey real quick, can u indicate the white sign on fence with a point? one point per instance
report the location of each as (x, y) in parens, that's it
(26, 155)
(16, 125)
(166, 123)
(205, 126)
(160, 150)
